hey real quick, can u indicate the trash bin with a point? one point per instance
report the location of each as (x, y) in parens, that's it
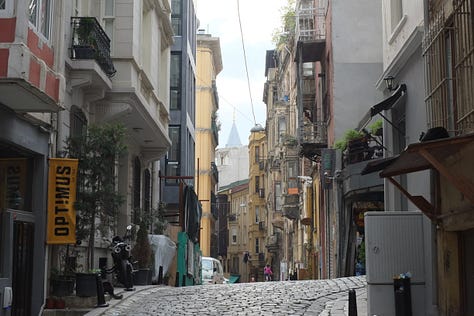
(402, 289)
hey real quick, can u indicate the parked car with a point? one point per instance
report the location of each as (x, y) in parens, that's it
(212, 271)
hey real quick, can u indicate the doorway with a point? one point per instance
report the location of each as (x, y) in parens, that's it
(18, 241)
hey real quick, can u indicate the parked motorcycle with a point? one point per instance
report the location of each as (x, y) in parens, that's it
(121, 256)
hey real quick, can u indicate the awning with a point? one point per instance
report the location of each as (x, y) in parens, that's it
(383, 105)
(378, 164)
(433, 154)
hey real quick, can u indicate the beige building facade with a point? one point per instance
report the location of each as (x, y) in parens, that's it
(208, 64)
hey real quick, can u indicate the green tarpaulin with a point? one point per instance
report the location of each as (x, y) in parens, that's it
(234, 278)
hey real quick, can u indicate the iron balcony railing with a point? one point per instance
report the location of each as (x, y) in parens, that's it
(313, 133)
(89, 41)
(310, 21)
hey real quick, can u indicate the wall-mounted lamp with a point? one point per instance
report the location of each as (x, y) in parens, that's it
(390, 83)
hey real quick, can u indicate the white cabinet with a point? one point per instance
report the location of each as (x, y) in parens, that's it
(394, 243)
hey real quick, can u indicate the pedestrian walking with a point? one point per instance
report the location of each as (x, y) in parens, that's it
(267, 272)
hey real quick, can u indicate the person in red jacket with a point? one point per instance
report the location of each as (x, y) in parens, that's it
(267, 272)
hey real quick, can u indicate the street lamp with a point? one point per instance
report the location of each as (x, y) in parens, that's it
(390, 83)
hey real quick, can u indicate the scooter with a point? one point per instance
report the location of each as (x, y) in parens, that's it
(122, 258)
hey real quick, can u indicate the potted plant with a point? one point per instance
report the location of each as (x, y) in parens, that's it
(62, 277)
(97, 199)
(376, 128)
(142, 253)
(86, 283)
(61, 284)
(85, 46)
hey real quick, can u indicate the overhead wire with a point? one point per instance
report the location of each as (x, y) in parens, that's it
(244, 115)
(245, 61)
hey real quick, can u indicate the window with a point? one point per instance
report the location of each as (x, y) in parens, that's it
(175, 81)
(39, 12)
(176, 13)
(257, 245)
(396, 12)
(3, 4)
(274, 94)
(78, 122)
(278, 202)
(292, 177)
(281, 128)
(174, 154)
(257, 154)
(109, 17)
(257, 215)
(234, 235)
(257, 184)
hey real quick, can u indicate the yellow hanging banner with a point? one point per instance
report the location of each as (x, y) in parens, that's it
(61, 199)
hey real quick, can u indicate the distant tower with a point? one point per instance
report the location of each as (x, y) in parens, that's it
(234, 138)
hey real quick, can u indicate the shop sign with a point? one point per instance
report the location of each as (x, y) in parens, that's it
(61, 200)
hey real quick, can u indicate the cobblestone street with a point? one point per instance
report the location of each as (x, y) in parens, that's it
(314, 297)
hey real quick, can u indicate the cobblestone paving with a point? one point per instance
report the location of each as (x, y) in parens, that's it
(314, 297)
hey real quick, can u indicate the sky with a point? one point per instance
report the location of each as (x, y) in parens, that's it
(259, 19)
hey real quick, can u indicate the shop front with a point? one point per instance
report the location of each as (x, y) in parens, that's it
(23, 191)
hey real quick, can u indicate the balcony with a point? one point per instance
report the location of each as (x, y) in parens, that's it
(366, 148)
(310, 30)
(29, 81)
(291, 206)
(89, 41)
(214, 209)
(313, 137)
(215, 172)
(215, 130)
(272, 243)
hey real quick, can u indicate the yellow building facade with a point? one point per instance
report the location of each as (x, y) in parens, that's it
(208, 66)
(257, 209)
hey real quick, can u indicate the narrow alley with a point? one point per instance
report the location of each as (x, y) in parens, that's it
(312, 297)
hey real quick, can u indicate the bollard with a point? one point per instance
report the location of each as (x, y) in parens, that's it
(160, 275)
(176, 281)
(402, 289)
(100, 292)
(352, 303)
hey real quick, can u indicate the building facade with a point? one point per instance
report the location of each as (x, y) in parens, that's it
(56, 80)
(209, 64)
(256, 206)
(178, 165)
(236, 199)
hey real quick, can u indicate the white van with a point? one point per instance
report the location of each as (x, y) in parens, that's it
(212, 272)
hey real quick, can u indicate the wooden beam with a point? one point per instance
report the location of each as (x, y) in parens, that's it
(464, 185)
(419, 201)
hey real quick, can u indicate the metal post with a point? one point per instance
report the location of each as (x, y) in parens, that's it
(160, 275)
(352, 303)
(100, 292)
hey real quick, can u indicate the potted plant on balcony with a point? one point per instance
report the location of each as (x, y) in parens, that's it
(376, 128)
(142, 253)
(85, 40)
